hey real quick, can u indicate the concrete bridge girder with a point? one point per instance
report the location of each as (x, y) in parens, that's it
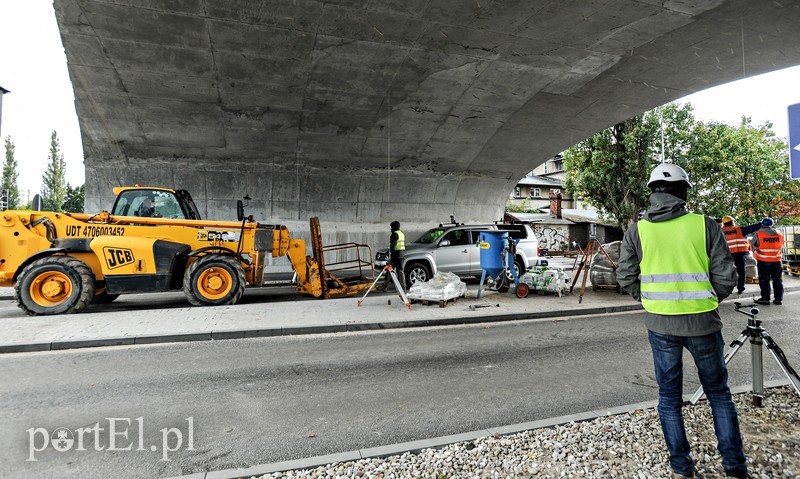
(362, 113)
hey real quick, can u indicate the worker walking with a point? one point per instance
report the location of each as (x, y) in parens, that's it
(397, 245)
(678, 265)
(739, 245)
(768, 244)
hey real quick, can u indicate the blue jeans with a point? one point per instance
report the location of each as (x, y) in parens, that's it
(740, 260)
(708, 355)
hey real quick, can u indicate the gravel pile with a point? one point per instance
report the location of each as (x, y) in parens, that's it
(623, 446)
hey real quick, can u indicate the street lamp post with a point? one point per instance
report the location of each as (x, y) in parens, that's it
(3, 91)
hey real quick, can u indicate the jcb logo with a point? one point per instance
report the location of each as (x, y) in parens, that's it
(116, 257)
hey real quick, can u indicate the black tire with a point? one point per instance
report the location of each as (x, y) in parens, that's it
(214, 280)
(504, 287)
(55, 285)
(520, 270)
(103, 297)
(416, 272)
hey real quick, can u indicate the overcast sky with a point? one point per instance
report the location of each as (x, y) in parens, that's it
(33, 67)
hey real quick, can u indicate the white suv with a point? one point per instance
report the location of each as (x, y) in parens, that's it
(453, 248)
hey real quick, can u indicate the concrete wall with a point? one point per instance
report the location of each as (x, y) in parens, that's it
(364, 112)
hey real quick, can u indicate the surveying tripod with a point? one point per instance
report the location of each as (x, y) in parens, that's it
(758, 336)
(585, 264)
(400, 291)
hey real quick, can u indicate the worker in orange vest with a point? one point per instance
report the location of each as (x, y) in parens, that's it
(736, 236)
(768, 244)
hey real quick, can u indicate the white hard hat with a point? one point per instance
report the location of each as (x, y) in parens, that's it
(669, 173)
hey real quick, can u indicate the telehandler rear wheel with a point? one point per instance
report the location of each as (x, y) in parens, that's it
(214, 280)
(55, 285)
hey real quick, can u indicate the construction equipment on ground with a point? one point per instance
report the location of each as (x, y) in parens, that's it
(399, 287)
(584, 261)
(154, 240)
(497, 257)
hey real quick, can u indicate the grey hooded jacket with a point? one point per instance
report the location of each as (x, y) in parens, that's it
(722, 270)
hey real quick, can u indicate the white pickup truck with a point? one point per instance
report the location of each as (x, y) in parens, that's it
(452, 248)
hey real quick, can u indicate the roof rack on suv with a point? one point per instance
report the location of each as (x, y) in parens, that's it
(452, 222)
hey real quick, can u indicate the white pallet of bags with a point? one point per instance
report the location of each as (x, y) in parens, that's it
(442, 287)
(542, 278)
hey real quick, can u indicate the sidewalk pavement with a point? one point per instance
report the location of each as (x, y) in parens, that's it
(277, 311)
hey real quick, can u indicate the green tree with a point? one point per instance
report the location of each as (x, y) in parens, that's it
(521, 207)
(10, 176)
(787, 197)
(610, 170)
(739, 171)
(74, 201)
(54, 183)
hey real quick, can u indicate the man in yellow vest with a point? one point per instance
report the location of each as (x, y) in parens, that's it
(768, 244)
(678, 265)
(397, 246)
(736, 236)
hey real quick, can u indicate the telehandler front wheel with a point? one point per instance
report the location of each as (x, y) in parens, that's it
(55, 285)
(214, 280)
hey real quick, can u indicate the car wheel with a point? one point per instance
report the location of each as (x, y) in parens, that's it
(518, 267)
(417, 273)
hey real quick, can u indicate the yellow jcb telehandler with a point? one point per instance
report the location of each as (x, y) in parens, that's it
(154, 240)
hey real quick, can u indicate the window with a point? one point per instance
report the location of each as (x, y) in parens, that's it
(536, 192)
(517, 192)
(458, 237)
(147, 203)
(430, 236)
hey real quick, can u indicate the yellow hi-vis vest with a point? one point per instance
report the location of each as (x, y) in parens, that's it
(401, 241)
(674, 267)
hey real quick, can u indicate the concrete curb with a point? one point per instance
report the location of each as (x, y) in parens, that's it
(320, 329)
(291, 331)
(436, 442)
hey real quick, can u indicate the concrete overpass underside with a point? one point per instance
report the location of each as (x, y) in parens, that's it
(362, 112)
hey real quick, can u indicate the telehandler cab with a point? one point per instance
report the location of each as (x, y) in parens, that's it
(154, 240)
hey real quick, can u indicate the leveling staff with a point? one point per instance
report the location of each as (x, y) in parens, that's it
(678, 265)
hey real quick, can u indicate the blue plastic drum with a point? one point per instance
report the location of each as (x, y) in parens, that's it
(492, 244)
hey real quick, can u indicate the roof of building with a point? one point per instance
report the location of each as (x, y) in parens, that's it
(533, 180)
(568, 216)
(3, 90)
(539, 218)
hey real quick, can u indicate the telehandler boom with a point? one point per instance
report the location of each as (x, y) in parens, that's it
(154, 240)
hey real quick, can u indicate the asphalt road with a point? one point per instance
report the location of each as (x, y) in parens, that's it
(265, 400)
